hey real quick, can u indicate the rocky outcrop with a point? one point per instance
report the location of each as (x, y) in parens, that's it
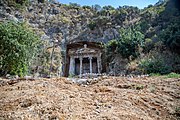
(54, 21)
(118, 66)
(51, 19)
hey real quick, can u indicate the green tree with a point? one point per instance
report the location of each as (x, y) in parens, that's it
(171, 37)
(19, 4)
(18, 45)
(111, 47)
(74, 5)
(129, 42)
(96, 7)
(109, 7)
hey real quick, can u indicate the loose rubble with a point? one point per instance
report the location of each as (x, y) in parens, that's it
(103, 98)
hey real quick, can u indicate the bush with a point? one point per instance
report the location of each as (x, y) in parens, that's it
(92, 25)
(18, 45)
(111, 47)
(19, 4)
(171, 37)
(74, 6)
(86, 7)
(129, 42)
(154, 65)
(173, 75)
(159, 60)
(128, 45)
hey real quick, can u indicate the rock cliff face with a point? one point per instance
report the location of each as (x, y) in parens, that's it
(66, 24)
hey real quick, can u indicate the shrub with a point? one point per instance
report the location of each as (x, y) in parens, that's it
(92, 25)
(148, 45)
(102, 20)
(19, 4)
(129, 42)
(173, 75)
(128, 45)
(18, 45)
(42, 1)
(74, 6)
(111, 47)
(171, 37)
(86, 7)
(159, 60)
(154, 65)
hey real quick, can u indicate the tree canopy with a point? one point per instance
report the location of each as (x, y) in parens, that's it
(128, 43)
(18, 45)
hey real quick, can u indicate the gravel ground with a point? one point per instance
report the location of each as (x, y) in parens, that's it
(108, 98)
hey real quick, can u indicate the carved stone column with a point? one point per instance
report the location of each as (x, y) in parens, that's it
(72, 66)
(90, 61)
(80, 66)
(99, 64)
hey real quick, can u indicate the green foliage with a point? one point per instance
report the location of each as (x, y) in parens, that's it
(171, 36)
(109, 7)
(19, 4)
(18, 46)
(98, 22)
(177, 111)
(148, 45)
(74, 5)
(102, 20)
(139, 87)
(96, 7)
(111, 47)
(129, 42)
(144, 26)
(172, 75)
(155, 74)
(86, 7)
(128, 45)
(154, 65)
(120, 15)
(42, 1)
(159, 61)
(154, 10)
(131, 39)
(71, 76)
(92, 25)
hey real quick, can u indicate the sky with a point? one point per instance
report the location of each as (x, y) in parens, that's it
(115, 3)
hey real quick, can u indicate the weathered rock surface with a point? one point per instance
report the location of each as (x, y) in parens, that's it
(110, 98)
(54, 21)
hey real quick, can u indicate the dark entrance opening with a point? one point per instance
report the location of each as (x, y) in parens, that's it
(94, 65)
(77, 66)
(85, 66)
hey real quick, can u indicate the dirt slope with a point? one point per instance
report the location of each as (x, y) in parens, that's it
(110, 98)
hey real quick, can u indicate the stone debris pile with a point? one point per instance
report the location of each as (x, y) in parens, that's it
(104, 98)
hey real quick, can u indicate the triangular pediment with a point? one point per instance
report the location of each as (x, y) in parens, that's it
(83, 50)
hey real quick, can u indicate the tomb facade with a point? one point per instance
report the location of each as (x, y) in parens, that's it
(83, 58)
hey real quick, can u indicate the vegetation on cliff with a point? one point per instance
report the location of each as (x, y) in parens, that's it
(140, 35)
(156, 47)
